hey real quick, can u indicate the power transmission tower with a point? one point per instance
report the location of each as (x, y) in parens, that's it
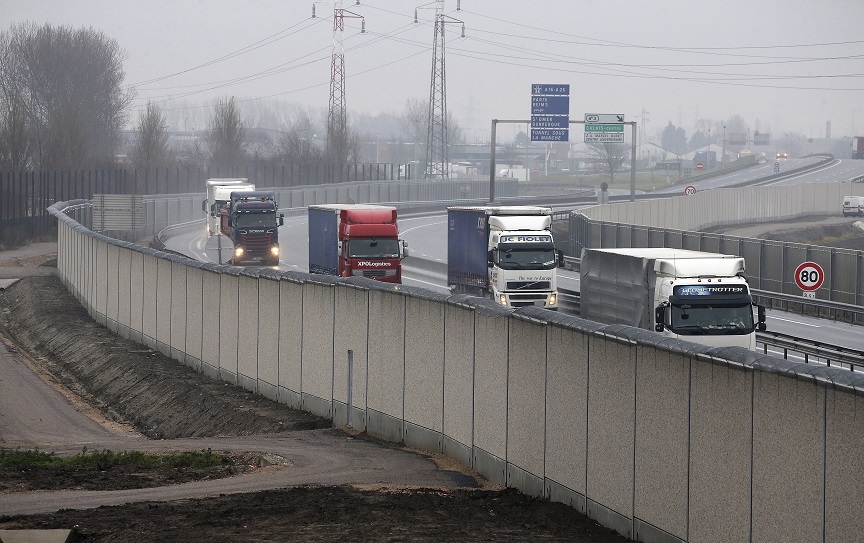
(337, 117)
(436, 166)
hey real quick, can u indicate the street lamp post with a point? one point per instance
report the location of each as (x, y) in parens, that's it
(708, 151)
(723, 150)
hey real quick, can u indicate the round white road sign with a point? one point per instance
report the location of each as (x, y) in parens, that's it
(809, 276)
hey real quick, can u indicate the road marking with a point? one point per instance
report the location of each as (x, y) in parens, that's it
(421, 226)
(794, 322)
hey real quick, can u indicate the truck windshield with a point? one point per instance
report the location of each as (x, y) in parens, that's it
(526, 258)
(712, 320)
(373, 248)
(256, 220)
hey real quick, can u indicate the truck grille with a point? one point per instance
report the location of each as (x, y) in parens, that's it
(523, 300)
(373, 274)
(256, 244)
(529, 285)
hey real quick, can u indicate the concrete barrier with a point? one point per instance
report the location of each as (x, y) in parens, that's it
(659, 439)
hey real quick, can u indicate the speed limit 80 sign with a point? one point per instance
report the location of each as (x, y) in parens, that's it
(809, 276)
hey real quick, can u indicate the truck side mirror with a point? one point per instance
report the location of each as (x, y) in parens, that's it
(659, 316)
(404, 248)
(760, 325)
(560, 258)
(490, 259)
(204, 206)
(281, 219)
(230, 222)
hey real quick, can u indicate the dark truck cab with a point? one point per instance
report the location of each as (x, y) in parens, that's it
(253, 226)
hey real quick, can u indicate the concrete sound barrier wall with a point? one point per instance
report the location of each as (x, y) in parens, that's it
(659, 439)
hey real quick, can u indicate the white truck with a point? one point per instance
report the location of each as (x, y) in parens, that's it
(691, 295)
(506, 253)
(219, 191)
(853, 205)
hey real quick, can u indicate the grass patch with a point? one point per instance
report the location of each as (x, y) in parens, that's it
(105, 459)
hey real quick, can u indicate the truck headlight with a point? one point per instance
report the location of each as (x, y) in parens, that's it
(553, 298)
(274, 250)
(238, 251)
(502, 299)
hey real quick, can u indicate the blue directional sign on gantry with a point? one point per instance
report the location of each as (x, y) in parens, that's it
(550, 112)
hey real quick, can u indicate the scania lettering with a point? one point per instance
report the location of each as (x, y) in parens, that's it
(506, 253)
(350, 240)
(691, 295)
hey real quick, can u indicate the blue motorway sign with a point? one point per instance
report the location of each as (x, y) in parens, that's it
(546, 134)
(550, 121)
(550, 90)
(550, 105)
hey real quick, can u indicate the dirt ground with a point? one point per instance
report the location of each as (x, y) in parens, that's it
(40, 319)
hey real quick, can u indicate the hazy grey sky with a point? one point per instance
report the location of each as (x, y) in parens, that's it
(784, 66)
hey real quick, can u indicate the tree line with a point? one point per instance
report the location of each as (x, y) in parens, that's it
(64, 105)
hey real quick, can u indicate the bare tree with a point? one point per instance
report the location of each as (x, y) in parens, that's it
(610, 155)
(150, 149)
(14, 142)
(414, 124)
(226, 136)
(67, 85)
(295, 148)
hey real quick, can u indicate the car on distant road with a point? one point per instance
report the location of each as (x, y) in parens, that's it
(782, 154)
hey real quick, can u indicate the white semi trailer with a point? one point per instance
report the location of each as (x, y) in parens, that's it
(691, 295)
(218, 195)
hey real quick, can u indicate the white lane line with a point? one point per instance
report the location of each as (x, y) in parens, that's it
(793, 322)
(421, 226)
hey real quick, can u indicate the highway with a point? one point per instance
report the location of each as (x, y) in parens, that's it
(426, 234)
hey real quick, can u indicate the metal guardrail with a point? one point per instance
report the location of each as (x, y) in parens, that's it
(811, 351)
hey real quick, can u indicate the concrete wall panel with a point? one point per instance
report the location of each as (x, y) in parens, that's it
(566, 409)
(113, 287)
(268, 331)
(291, 311)
(720, 452)
(844, 483)
(101, 280)
(248, 327)
(526, 397)
(490, 384)
(211, 334)
(178, 311)
(424, 363)
(611, 384)
(351, 333)
(458, 375)
(150, 301)
(124, 292)
(387, 353)
(662, 439)
(229, 326)
(194, 316)
(788, 432)
(136, 296)
(317, 361)
(163, 306)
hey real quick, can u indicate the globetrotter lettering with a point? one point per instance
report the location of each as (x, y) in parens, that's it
(523, 239)
(371, 264)
(704, 290)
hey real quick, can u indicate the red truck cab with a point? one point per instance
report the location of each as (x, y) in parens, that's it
(356, 240)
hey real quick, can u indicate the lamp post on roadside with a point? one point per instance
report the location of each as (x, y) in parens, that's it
(723, 150)
(708, 152)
